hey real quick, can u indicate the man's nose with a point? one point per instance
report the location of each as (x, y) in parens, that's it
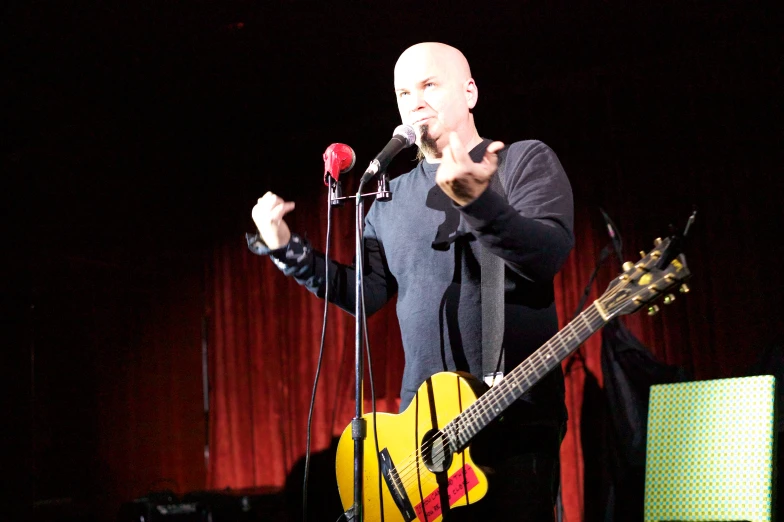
(417, 101)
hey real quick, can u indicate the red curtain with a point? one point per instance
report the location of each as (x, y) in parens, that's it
(116, 382)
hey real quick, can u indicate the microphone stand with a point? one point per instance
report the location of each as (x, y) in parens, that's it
(616, 244)
(358, 424)
(578, 354)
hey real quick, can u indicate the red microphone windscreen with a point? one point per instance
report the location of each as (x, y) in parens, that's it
(338, 159)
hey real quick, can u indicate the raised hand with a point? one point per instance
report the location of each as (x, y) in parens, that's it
(268, 215)
(459, 177)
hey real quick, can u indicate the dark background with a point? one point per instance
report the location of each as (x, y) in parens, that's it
(139, 134)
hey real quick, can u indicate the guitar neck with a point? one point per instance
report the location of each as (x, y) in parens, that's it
(465, 426)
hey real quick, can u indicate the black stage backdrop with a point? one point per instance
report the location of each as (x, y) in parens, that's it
(140, 134)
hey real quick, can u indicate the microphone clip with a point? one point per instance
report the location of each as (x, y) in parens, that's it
(383, 193)
(336, 198)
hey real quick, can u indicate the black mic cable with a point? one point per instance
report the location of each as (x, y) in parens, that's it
(615, 235)
(320, 360)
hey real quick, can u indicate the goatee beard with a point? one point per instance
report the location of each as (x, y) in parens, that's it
(427, 144)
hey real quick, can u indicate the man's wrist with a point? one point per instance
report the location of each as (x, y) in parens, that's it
(259, 247)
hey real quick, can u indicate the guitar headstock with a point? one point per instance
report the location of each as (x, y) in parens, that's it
(646, 281)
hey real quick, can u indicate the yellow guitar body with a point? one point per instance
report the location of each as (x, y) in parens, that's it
(405, 441)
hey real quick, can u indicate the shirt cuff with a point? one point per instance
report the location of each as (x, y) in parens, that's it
(258, 247)
(484, 210)
(291, 256)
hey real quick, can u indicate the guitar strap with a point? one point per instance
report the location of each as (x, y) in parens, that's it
(492, 294)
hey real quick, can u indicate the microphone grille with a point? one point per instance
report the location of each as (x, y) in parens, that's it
(353, 160)
(407, 133)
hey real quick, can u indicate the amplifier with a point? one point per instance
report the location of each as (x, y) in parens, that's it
(163, 506)
(258, 504)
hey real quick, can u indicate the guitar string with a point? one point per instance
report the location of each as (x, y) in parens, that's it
(412, 464)
(406, 473)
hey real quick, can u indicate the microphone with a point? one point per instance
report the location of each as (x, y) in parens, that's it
(338, 159)
(403, 137)
(615, 236)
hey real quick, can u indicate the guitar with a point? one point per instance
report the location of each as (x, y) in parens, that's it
(423, 453)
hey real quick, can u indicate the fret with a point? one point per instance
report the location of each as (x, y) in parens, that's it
(508, 398)
(587, 324)
(601, 310)
(598, 323)
(548, 356)
(467, 435)
(533, 368)
(540, 368)
(564, 343)
(514, 380)
(570, 328)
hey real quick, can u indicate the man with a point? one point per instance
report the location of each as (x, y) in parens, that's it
(425, 246)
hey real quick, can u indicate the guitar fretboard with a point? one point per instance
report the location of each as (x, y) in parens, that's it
(465, 426)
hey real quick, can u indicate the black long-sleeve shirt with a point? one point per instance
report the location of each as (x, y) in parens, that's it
(425, 248)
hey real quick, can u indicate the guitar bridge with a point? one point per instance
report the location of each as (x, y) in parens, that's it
(395, 486)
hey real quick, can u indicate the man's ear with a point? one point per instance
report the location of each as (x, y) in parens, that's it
(471, 93)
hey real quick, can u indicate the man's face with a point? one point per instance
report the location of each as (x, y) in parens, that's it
(434, 95)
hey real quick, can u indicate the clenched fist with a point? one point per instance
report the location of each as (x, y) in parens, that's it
(268, 215)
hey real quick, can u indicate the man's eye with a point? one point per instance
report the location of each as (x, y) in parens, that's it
(401, 94)
(430, 84)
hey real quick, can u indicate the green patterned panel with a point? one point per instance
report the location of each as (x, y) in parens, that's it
(710, 450)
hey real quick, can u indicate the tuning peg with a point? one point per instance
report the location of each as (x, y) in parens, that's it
(653, 309)
(642, 253)
(684, 289)
(657, 241)
(628, 266)
(668, 299)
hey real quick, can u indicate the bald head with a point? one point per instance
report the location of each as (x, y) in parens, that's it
(435, 93)
(433, 55)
